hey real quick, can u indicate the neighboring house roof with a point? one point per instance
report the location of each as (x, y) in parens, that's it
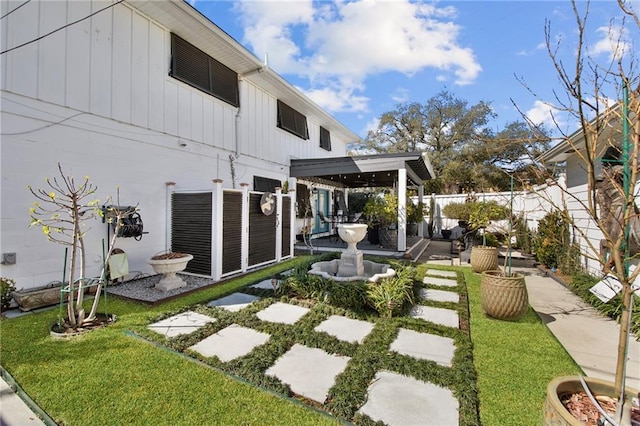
(567, 147)
(365, 170)
(182, 19)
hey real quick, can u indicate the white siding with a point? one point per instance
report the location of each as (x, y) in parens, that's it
(96, 97)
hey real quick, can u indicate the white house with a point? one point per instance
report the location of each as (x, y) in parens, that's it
(576, 191)
(152, 98)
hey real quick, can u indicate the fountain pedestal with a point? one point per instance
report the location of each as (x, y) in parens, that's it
(351, 264)
(351, 261)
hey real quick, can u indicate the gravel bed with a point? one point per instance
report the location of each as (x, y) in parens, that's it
(143, 289)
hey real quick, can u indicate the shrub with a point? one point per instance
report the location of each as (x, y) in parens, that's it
(477, 213)
(552, 240)
(391, 295)
(7, 285)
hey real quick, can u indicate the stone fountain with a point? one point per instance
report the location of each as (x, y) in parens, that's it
(351, 266)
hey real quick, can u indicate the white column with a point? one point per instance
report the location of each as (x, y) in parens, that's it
(292, 216)
(421, 200)
(216, 229)
(278, 229)
(402, 209)
(167, 232)
(244, 228)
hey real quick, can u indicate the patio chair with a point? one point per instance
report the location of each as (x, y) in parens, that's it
(332, 232)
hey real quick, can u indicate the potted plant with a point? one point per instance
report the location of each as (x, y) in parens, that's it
(481, 213)
(415, 215)
(382, 214)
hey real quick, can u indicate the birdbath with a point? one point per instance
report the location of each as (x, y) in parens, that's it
(351, 260)
(169, 264)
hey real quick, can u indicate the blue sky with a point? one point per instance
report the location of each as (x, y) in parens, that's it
(359, 59)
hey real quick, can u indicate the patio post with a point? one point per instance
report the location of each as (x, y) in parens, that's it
(278, 229)
(216, 229)
(244, 235)
(292, 216)
(421, 200)
(402, 209)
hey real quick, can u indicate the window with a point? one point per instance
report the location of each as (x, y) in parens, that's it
(263, 184)
(194, 67)
(325, 139)
(292, 121)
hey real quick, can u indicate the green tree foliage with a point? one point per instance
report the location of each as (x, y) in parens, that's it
(466, 154)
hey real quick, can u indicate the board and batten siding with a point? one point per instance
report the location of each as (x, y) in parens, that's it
(116, 65)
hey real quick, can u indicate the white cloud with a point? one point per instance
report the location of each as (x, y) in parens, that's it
(337, 99)
(339, 44)
(613, 42)
(543, 113)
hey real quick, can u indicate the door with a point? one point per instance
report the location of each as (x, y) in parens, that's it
(322, 206)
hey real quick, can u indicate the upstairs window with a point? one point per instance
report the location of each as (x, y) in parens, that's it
(194, 67)
(325, 139)
(292, 121)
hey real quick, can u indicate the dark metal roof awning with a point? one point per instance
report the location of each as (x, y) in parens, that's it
(364, 170)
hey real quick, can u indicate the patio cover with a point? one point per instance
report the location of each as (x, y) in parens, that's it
(364, 170)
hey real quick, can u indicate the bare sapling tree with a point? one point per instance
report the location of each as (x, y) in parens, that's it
(603, 97)
(63, 211)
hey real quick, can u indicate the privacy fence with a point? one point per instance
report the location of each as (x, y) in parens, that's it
(231, 231)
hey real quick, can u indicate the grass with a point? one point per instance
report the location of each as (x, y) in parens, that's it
(514, 360)
(111, 377)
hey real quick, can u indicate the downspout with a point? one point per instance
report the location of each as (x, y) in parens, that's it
(236, 154)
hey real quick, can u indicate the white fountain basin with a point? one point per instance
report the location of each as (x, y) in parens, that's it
(352, 233)
(373, 272)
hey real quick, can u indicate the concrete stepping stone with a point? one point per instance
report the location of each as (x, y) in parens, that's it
(345, 329)
(230, 343)
(400, 400)
(445, 282)
(446, 317)
(424, 346)
(184, 323)
(266, 285)
(439, 295)
(283, 313)
(309, 372)
(440, 273)
(234, 302)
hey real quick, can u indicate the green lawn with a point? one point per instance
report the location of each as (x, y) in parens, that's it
(514, 360)
(112, 377)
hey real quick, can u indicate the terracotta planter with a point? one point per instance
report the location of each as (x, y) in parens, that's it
(503, 297)
(554, 413)
(484, 258)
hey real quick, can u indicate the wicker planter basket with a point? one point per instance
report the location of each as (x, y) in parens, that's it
(554, 412)
(504, 297)
(484, 258)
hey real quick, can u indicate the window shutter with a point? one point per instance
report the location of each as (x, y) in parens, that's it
(292, 121)
(325, 139)
(194, 67)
